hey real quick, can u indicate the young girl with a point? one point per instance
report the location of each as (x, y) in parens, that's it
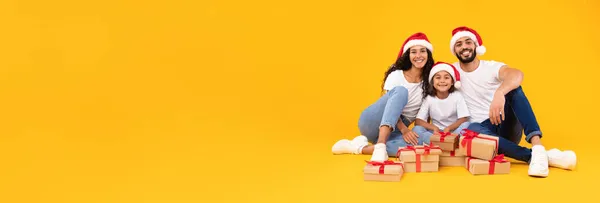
(446, 108)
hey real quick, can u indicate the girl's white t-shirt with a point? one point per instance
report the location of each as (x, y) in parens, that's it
(444, 112)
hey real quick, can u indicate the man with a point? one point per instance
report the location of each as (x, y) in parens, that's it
(499, 107)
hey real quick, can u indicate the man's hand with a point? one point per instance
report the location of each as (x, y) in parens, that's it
(497, 109)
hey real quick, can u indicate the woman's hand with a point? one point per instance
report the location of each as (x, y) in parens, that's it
(410, 137)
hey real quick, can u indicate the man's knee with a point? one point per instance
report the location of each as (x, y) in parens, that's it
(475, 127)
(516, 92)
(480, 128)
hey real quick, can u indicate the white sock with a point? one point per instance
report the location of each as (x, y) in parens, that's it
(379, 153)
(360, 148)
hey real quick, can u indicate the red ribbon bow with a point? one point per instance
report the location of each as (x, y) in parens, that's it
(383, 164)
(443, 135)
(469, 135)
(407, 148)
(428, 149)
(499, 159)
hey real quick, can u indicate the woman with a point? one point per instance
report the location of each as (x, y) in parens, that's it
(403, 85)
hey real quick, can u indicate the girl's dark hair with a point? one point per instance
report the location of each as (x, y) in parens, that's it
(430, 90)
(403, 63)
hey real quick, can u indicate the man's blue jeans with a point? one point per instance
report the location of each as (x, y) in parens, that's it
(519, 116)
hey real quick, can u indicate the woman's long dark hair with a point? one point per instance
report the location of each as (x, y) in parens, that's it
(403, 63)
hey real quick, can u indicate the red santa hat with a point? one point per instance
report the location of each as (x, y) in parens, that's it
(442, 66)
(418, 38)
(463, 31)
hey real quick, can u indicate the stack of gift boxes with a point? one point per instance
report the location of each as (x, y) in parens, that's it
(476, 152)
(482, 154)
(449, 144)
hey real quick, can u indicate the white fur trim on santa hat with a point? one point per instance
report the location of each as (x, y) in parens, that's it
(479, 50)
(441, 67)
(416, 42)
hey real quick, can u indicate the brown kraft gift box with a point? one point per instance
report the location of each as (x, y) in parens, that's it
(452, 158)
(498, 165)
(445, 140)
(477, 145)
(388, 171)
(420, 158)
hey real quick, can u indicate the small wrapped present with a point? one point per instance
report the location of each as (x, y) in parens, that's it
(452, 158)
(473, 144)
(498, 165)
(390, 171)
(420, 158)
(445, 140)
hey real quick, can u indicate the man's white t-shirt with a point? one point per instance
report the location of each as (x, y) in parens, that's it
(478, 88)
(415, 93)
(444, 112)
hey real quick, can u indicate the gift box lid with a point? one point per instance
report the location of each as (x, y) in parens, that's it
(421, 149)
(386, 167)
(468, 134)
(444, 137)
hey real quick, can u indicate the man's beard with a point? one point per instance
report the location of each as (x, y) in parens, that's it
(467, 60)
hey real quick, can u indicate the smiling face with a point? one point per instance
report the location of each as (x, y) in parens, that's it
(464, 49)
(442, 81)
(418, 56)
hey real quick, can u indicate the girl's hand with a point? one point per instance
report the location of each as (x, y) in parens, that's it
(436, 131)
(446, 130)
(410, 137)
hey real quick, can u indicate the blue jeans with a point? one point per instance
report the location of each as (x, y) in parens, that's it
(425, 135)
(387, 110)
(519, 116)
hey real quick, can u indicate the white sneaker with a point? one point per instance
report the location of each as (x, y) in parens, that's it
(342, 147)
(379, 153)
(538, 165)
(360, 140)
(562, 159)
(349, 147)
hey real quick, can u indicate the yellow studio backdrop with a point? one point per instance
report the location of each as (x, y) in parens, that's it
(241, 101)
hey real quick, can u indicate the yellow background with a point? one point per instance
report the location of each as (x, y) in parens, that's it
(240, 101)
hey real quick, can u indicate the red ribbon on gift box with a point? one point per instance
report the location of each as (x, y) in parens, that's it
(417, 156)
(452, 153)
(426, 148)
(468, 140)
(443, 135)
(383, 164)
(499, 159)
(492, 167)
